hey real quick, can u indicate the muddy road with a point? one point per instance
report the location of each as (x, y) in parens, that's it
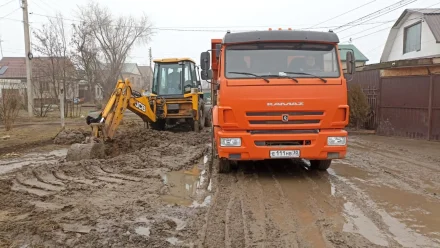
(156, 189)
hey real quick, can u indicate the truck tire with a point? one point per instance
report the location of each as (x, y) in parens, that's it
(224, 166)
(321, 165)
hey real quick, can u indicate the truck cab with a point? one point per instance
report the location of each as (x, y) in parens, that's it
(276, 95)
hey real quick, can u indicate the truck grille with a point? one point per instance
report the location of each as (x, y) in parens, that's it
(276, 117)
(278, 113)
(283, 143)
(287, 122)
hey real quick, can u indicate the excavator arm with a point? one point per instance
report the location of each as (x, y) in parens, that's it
(123, 98)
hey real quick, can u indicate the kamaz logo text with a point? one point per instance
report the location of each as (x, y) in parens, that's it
(285, 104)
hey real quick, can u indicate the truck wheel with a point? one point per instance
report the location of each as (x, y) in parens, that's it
(159, 124)
(321, 165)
(224, 166)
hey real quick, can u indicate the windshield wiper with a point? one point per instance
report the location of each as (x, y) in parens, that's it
(279, 76)
(250, 74)
(304, 73)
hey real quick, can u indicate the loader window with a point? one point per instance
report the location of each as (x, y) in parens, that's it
(167, 79)
(275, 58)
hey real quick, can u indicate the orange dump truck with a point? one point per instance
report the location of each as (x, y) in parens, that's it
(278, 95)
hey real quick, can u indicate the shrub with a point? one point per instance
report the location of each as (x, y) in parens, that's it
(359, 107)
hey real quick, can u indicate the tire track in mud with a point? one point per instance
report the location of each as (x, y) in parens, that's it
(281, 219)
(254, 211)
(221, 219)
(413, 173)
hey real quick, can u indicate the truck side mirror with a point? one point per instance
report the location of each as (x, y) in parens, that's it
(205, 61)
(350, 63)
(206, 74)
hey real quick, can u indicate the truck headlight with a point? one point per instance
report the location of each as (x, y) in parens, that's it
(230, 141)
(336, 141)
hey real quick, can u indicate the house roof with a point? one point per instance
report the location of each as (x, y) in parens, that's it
(145, 70)
(358, 55)
(130, 68)
(15, 67)
(431, 17)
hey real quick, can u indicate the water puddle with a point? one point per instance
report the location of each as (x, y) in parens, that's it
(349, 171)
(396, 209)
(173, 241)
(415, 211)
(188, 186)
(144, 231)
(361, 224)
(31, 159)
(47, 205)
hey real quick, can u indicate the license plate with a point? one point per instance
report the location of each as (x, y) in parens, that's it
(285, 154)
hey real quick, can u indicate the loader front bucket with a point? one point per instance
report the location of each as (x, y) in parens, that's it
(78, 152)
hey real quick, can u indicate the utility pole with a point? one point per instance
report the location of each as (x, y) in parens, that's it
(28, 57)
(1, 49)
(150, 55)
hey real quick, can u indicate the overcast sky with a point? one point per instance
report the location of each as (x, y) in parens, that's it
(194, 22)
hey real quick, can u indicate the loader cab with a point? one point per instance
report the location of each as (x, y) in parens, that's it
(175, 77)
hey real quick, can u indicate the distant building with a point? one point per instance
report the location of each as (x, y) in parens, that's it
(48, 74)
(360, 58)
(147, 77)
(415, 34)
(133, 73)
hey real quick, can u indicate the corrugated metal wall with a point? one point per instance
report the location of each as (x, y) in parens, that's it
(435, 120)
(403, 109)
(406, 106)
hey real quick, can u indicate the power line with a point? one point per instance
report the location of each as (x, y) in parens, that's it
(432, 12)
(4, 17)
(7, 3)
(342, 14)
(376, 14)
(201, 29)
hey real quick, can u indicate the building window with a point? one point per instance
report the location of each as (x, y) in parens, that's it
(412, 38)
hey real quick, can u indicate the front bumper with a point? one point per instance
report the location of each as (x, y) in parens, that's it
(254, 146)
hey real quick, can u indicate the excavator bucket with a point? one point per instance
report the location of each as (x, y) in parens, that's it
(78, 152)
(90, 150)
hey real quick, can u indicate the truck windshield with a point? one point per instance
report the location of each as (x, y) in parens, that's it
(297, 60)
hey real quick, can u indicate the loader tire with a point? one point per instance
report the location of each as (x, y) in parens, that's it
(321, 165)
(199, 124)
(208, 117)
(159, 124)
(224, 166)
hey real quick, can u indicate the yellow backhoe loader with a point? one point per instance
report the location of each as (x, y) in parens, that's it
(176, 96)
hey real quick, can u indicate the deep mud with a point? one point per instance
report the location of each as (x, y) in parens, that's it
(155, 190)
(117, 202)
(71, 136)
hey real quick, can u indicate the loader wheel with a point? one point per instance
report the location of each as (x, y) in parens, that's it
(224, 165)
(159, 124)
(199, 124)
(321, 165)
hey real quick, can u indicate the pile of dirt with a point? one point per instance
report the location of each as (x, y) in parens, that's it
(71, 136)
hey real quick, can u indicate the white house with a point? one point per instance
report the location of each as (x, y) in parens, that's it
(416, 34)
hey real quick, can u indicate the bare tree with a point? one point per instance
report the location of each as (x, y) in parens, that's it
(115, 37)
(85, 56)
(51, 41)
(10, 103)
